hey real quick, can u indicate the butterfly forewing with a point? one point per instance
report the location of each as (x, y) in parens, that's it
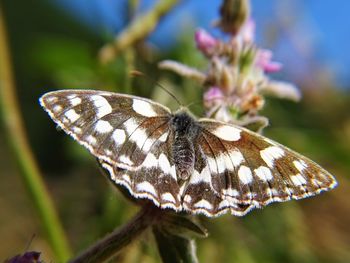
(137, 141)
(115, 128)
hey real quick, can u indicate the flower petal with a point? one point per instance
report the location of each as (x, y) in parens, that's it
(204, 41)
(283, 90)
(182, 70)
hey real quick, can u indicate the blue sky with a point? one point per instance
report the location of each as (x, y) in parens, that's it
(322, 25)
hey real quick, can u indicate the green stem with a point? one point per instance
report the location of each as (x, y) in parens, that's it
(109, 246)
(137, 30)
(22, 152)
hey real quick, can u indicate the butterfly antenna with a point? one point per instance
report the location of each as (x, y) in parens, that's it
(196, 103)
(140, 74)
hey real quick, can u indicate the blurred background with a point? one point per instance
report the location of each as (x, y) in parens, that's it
(55, 45)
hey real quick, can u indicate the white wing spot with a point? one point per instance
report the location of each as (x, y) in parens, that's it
(271, 153)
(264, 173)
(146, 187)
(300, 165)
(203, 204)
(75, 101)
(164, 137)
(298, 179)
(77, 130)
(224, 163)
(168, 197)
(228, 133)
(125, 159)
(143, 108)
(52, 99)
(164, 163)
(245, 174)
(236, 157)
(204, 176)
(72, 115)
(103, 126)
(57, 108)
(91, 140)
(119, 136)
(102, 105)
(212, 164)
(187, 198)
(150, 161)
(130, 125)
(195, 177)
(148, 144)
(139, 136)
(173, 172)
(230, 192)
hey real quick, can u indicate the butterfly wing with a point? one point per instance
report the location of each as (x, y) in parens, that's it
(129, 135)
(116, 128)
(155, 179)
(238, 170)
(235, 169)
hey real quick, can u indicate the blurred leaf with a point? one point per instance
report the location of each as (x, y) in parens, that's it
(174, 249)
(182, 226)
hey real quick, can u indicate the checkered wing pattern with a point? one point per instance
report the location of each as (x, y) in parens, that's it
(129, 136)
(238, 170)
(118, 129)
(205, 166)
(154, 179)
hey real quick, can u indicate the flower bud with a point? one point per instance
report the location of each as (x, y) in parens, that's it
(263, 61)
(234, 14)
(212, 97)
(205, 42)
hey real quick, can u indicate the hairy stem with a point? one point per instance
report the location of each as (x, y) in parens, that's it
(137, 30)
(23, 154)
(109, 246)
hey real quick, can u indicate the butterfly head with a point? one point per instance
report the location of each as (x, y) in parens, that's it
(183, 122)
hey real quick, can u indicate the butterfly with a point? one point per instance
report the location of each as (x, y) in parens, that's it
(201, 166)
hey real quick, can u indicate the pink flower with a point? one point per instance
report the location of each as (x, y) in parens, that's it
(263, 60)
(213, 96)
(204, 41)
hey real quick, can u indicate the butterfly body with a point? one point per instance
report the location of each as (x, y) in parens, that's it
(181, 163)
(186, 131)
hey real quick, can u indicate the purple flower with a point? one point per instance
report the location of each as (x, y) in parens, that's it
(28, 257)
(205, 42)
(213, 96)
(263, 60)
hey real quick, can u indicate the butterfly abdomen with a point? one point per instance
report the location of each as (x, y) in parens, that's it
(183, 153)
(185, 131)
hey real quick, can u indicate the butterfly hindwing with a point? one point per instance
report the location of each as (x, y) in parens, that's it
(155, 178)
